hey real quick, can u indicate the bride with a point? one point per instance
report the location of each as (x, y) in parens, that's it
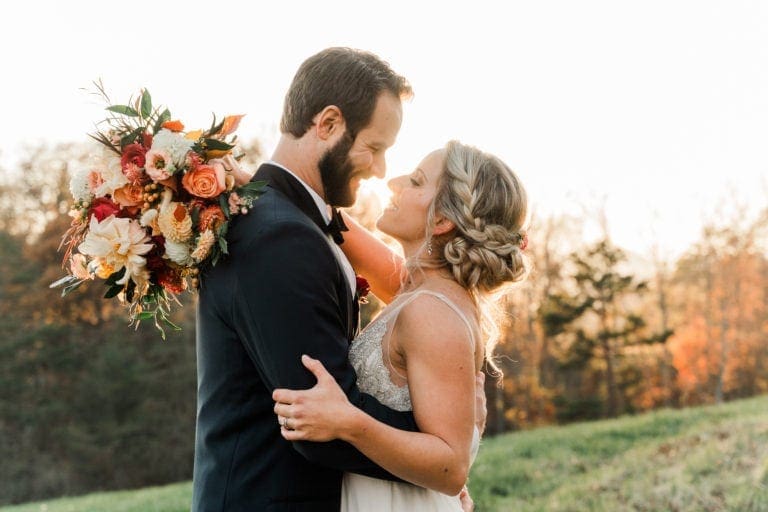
(459, 217)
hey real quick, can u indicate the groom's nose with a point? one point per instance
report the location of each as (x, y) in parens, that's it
(379, 167)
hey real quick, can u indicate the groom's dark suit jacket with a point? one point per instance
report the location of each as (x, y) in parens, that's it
(280, 293)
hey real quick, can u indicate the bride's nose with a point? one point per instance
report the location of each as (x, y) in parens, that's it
(395, 184)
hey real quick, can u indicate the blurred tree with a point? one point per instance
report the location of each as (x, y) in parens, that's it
(597, 320)
(721, 296)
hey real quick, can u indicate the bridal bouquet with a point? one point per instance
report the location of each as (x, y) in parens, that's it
(153, 208)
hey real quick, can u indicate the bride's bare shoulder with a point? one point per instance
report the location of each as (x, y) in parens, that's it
(435, 318)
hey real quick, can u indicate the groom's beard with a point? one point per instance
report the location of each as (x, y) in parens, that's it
(336, 171)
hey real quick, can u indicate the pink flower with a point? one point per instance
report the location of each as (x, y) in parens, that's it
(159, 165)
(95, 180)
(234, 203)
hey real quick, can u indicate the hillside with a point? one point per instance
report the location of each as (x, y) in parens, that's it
(700, 459)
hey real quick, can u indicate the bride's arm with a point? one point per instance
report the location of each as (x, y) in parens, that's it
(440, 366)
(373, 259)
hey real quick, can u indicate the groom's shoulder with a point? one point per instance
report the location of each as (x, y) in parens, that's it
(272, 214)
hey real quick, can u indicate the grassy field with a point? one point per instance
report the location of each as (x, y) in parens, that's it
(694, 460)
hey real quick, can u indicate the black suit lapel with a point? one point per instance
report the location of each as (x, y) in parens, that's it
(293, 189)
(297, 194)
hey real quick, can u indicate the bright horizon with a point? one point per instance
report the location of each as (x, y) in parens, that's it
(660, 107)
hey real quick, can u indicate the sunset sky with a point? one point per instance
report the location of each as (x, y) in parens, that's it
(660, 107)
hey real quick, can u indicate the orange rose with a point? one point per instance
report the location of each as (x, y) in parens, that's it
(129, 195)
(205, 180)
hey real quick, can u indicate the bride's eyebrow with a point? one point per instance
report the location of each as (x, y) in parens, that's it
(423, 174)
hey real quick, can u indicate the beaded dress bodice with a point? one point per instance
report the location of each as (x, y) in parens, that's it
(368, 351)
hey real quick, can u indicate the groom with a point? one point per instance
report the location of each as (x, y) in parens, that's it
(286, 289)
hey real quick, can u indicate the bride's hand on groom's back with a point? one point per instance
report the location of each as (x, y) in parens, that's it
(321, 413)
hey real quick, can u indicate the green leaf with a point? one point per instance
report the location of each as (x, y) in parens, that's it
(115, 277)
(64, 281)
(224, 203)
(251, 189)
(131, 137)
(145, 315)
(123, 109)
(213, 129)
(165, 116)
(113, 291)
(69, 289)
(130, 289)
(146, 104)
(216, 144)
(171, 324)
(223, 245)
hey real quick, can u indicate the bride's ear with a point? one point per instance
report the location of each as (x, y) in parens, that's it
(442, 225)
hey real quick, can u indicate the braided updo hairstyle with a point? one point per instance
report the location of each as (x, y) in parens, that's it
(487, 203)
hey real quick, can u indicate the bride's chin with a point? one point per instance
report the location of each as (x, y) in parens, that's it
(382, 225)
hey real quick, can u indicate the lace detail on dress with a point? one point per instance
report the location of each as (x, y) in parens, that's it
(372, 375)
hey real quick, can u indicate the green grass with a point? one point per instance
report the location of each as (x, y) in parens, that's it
(699, 459)
(168, 498)
(703, 459)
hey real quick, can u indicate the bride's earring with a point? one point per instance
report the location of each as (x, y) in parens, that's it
(429, 247)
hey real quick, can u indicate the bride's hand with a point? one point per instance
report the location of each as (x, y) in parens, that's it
(316, 414)
(233, 166)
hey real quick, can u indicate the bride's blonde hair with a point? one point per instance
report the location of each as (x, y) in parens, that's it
(487, 203)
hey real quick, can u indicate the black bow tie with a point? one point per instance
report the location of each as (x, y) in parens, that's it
(336, 226)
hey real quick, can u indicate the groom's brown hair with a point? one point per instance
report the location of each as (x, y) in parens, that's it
(350, 79)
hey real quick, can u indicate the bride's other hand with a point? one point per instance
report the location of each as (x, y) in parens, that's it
(481, 408)
(467, 505)
(320, 413)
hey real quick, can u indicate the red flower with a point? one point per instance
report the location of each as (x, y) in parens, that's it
(133, 154)
(103, 207)
(363, 288)
(170, 279)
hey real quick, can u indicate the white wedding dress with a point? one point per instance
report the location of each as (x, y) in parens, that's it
(367, 355)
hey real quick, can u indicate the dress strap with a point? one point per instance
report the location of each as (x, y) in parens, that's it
(390, 314)
(448, 302)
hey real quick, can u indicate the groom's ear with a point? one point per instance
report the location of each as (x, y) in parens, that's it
(329, 123)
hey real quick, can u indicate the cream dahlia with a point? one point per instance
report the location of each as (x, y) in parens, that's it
(118, 243)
